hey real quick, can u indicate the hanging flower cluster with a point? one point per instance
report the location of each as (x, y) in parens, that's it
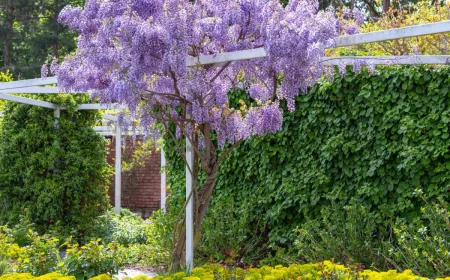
(134, 52)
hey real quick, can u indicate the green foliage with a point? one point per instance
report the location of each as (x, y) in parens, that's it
(126, 228)
(39, 256)
(57, 178)
(424, 245)
(31, 31)
(347, 235)
(157, 249)
(371, 139)
(93, 259)
(42, 255)
(4, 77)
(5, 266)
(228, 239)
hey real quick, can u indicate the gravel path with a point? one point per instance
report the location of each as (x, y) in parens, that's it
(133, 273)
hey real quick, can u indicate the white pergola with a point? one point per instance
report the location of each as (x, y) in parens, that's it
(39, 86)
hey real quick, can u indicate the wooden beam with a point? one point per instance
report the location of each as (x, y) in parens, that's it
(28, 101)
(29, 83)
(392, 34)
(226, 57)
(357, 39)
(53, 90)
(101, 107)
(110, 117)
(389, 60)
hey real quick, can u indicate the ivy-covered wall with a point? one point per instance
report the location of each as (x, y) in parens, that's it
(367, 139)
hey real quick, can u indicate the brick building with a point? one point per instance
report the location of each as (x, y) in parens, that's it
(141, 186)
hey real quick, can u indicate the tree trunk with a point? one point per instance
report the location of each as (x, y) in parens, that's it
(55, 46)
(386, 5)
(9, 32)
(201, 202)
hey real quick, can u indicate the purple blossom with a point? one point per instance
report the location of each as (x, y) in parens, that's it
(44, 71)
(260, 92)
(346, 12)
(342, 68)
(272, 118)
(351, 29)
(135, 51)
(70, 16)
(147, 8)
(359, 16)
(54, 67)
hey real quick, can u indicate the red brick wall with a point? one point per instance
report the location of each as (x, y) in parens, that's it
(141, 186)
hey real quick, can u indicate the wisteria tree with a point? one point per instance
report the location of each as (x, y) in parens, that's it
(134, 52)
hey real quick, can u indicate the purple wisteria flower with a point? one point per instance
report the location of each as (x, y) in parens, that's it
(134, 52)
(359, 16)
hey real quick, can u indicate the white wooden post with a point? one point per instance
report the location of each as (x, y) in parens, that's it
(189, 208)
(118, 178)
(163, 181)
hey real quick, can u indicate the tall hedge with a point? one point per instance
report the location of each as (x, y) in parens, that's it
(56, 178)
(369, 139)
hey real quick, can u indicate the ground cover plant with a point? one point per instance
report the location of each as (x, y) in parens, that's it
(315, 271)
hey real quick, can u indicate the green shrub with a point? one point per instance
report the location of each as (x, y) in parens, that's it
(42, 255)
(424, 245)
(157, 249)
(5, 266)
(57, 178)
(126, 228)
(348, 235)
(93, 259)
(4, 77)
(39, 255)
(227, 237)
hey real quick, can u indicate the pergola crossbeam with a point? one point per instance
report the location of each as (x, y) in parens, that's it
(29, 83)
(357, 39)
(388, 60)
(393, 34)
(28, 101)
(112, 106)
(38, 89)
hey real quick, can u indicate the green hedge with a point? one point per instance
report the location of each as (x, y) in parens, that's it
(366, 139)
(56, 178)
